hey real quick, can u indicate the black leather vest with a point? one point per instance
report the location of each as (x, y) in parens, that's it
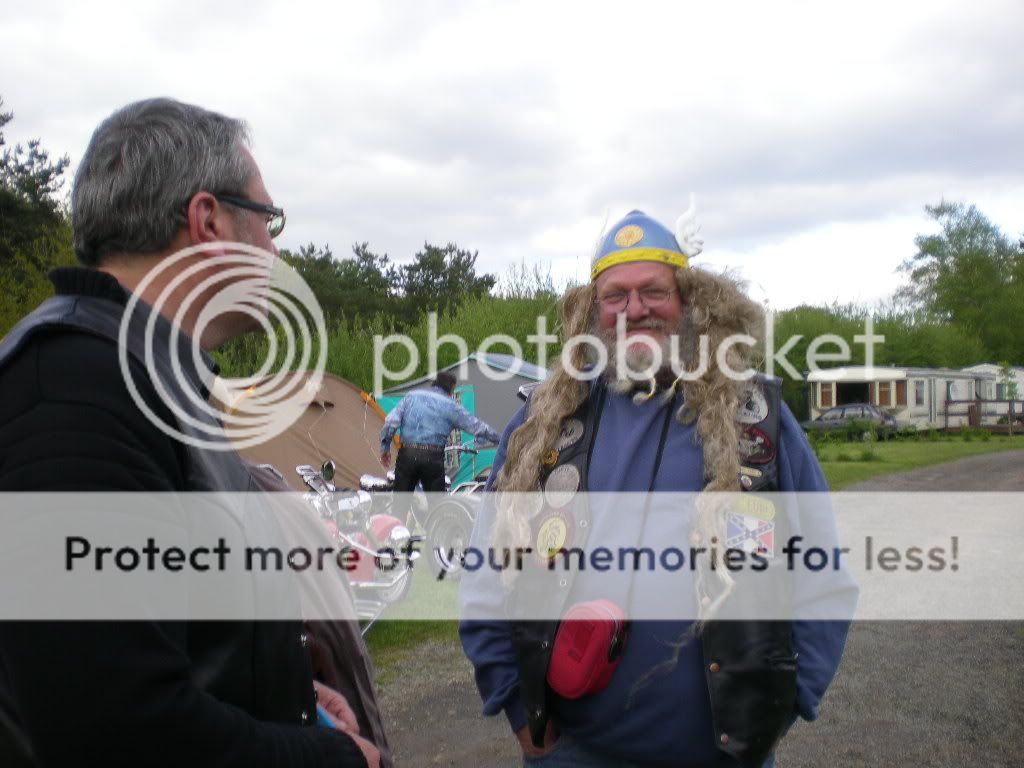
(750, 667)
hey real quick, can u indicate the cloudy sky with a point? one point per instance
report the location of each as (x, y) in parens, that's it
(812, 138)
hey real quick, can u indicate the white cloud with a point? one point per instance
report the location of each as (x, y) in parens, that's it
(516, 128)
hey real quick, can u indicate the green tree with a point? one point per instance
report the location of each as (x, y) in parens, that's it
(362, 286)
(35, 233)
(440, 280)
(1007, 378)
(970, 274)
(911, 339)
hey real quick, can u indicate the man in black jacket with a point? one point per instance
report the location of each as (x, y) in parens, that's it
(159, 177)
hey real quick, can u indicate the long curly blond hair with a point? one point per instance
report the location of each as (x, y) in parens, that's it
(717, 309)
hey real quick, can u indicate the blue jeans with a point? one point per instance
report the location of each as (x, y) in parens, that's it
(568, 753)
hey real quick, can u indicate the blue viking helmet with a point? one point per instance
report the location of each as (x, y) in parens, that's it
(637, 237)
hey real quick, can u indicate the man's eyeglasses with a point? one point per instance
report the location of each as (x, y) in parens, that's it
(651, 298)
(275, 216)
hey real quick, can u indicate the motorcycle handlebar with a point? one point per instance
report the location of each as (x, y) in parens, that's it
(460, 449)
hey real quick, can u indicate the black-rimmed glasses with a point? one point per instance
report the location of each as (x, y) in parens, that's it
(275, 216)
(651, 298)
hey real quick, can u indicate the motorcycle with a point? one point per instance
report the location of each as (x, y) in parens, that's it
(447, 525)
(381, 550)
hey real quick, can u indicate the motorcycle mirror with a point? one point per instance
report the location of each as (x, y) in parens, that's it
(327, 470)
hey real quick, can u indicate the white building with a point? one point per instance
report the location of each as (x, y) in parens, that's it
(917, 396)
(1016, 373)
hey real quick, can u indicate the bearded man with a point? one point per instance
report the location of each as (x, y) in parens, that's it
(672, 692)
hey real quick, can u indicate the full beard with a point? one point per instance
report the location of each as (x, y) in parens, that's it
(640, 363)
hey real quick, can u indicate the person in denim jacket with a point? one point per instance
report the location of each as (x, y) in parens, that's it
(424, 418)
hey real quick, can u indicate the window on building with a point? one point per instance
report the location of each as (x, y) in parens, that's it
(827, 396)
(901, 393)
(918, 393)
(1001, 392)
(884, 393)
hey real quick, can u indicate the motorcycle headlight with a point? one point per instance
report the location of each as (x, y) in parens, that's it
(365, 501)
(373, 483)
(348, 504)
(398, 538)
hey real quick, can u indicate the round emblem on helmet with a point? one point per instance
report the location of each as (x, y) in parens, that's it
(550, 458)
(561, 485)
(629, 235)
(572, 431)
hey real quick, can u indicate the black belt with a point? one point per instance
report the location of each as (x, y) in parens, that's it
(424, 447)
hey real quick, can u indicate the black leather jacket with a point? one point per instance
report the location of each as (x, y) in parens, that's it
(137, 692)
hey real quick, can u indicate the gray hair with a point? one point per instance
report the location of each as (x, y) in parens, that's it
(142, 166)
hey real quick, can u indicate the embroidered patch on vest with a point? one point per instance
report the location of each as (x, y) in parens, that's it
(752, 505)
(753, 405)
(561, 485)
(750, 535)
(755, 447)
(554, 533)
(572, 431)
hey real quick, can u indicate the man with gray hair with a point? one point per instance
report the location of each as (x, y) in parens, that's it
(163, 190)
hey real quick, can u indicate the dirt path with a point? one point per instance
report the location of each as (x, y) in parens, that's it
(921, 694)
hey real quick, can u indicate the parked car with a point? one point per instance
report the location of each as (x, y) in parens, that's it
(840, 418)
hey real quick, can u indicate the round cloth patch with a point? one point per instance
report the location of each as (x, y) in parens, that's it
(561, 485)
(755, 447)
(572, 431)
(753, 405)
(554, 534)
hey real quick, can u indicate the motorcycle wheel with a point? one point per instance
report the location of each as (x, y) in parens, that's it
(447, 538)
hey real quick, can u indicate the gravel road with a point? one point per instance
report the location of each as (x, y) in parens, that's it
(987, 472)
(921, 694)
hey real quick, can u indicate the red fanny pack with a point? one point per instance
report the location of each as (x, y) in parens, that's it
(588, 646)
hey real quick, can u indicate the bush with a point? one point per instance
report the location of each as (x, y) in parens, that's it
(909, 433)
(862, 430)
(984, 435)
(844, 456)
(933, 435)
(868, 454)
(966, 434)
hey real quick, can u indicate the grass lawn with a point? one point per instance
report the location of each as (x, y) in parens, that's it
(390, 638)
(848, 463)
